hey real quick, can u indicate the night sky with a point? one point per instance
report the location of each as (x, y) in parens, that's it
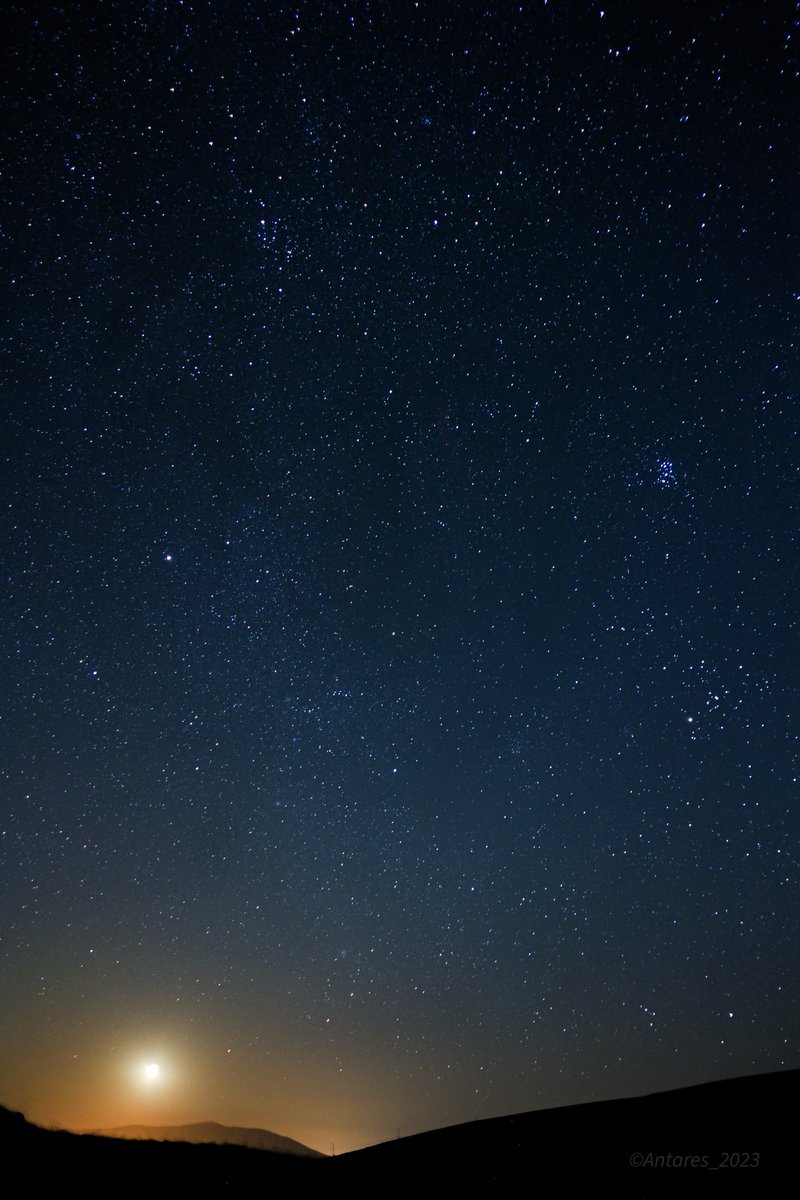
(399, 552)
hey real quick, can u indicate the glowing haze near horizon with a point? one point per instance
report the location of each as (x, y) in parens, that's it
(399, 517)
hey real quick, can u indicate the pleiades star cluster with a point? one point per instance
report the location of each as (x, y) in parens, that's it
(399, 510)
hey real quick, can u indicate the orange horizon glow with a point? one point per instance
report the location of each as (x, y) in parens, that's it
(82, 1098)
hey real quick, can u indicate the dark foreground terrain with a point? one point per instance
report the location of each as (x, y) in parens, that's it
(734, 1137)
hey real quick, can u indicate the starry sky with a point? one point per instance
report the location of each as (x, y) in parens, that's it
(399, 544)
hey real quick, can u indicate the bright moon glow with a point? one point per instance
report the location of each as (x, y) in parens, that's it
(151, 1070)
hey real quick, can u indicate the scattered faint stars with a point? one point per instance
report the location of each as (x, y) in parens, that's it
(441, 354)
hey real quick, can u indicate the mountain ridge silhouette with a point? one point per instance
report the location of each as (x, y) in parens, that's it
(211, 1132)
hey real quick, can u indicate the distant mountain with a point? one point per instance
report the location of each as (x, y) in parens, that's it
(210, 1132)
(129, 1168)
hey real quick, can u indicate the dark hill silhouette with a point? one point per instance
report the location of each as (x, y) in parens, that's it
(734, 1136)
(47, 1162)
(737, 1130)
(209, 1132)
